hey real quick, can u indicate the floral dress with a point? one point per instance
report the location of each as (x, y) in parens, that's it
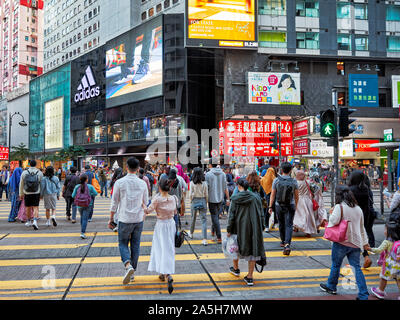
(390, 267)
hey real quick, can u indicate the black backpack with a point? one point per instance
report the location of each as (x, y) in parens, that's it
(395, 216)
(284, 191)
(31, 182)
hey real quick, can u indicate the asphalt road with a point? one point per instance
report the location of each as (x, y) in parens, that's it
(55, 263)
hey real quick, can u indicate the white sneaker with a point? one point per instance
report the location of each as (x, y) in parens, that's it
(53, 219)
(128, 274)
(115, 229)
(266, 229)
(28, 224)
(34, 225)
(83, 236)
(48, 223)
(205, 242)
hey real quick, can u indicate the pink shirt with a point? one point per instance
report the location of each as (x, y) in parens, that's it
(165, 207)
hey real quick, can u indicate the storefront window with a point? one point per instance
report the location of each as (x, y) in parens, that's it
(115, 133)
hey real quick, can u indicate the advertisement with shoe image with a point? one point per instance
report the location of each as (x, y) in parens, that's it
(134, 64)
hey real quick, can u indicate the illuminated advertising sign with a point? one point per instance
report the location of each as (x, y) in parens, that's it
(134, 64)
(396, 91)
(220, 23)
(54, 121)
(273, 88)
(365, 146)
(301, 128)
(319, 148)
(363, 90)
(251, 138)
(300, 147)
(88, 87)
(3, 153)
(346, 148)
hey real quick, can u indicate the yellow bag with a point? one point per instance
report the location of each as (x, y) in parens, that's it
(96, 185)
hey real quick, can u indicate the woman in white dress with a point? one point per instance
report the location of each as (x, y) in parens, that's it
(321, 215)
(162, 256)
(304, 218)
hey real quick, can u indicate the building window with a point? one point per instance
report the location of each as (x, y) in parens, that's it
(393, 44)
(158, 7)
(361, 11)
(166, 4)
(272, 7)
(340, 68)
(344, 41)
(151, 12)
(144, 15)
(269, 39)
(343, 10)
(393, 13)
(307, 8)
(174, 1)
(361, 43)
(307, 40)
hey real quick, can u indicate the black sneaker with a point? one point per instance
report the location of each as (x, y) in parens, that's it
(326, 289)
(235, 272)
(287, 250)
(249, 281)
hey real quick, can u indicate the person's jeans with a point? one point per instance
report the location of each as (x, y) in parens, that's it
(74, 210)
(215, 209)
(84, 212)
(177, 219)
(91, 209)
(5, 189)
(129, 233)
(69, 201)
(103, 186)
(285, 216)
(203, 213)
(339, 252)
(368, 224)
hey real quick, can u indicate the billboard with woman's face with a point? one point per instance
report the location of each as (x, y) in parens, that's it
(274, 88)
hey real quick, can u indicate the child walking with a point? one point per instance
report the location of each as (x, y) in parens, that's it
(389, 259)
(162, 256)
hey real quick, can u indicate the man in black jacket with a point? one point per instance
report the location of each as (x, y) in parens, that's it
(69, 184)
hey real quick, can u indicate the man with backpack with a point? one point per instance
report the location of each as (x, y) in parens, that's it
(69, 185)
(285, 194)
(29, 190)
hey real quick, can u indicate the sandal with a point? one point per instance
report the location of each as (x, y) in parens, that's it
(170, 287)
(161, 277)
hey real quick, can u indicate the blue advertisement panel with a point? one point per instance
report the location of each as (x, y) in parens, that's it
(363, 90)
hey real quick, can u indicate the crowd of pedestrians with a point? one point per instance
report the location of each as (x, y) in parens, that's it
(256, 201)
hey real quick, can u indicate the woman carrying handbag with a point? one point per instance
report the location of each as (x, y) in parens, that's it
(346, 226)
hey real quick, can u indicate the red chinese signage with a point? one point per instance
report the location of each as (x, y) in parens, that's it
(35, 4)
(251, 138)
(300, 128)
(365, 146)
(301, 147)
(3, 153)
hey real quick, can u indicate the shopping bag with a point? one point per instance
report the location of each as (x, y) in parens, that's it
(271, 221)
(230, 247)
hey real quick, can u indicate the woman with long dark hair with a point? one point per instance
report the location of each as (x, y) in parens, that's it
(346, 208)
(198, 194)
(84, 191)
(162, 256)
(50, 192)
(359, 188)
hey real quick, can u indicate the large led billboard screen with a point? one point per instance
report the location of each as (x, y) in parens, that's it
(54, 120)
(134, 64)
(220, 23)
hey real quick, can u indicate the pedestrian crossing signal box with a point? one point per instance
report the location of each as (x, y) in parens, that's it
(328, 127)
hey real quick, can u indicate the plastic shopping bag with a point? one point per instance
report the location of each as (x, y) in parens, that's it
(271, 221)
(230, 247)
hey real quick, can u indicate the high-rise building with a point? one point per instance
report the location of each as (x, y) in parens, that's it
(21, 42)
(71, 28)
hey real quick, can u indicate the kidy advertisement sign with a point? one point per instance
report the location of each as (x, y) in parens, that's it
(273, 88)
(251, 138)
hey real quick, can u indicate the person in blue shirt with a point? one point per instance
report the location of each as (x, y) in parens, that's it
(85, 211)
(50, 192)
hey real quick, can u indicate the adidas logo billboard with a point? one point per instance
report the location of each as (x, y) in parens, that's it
(87, 88)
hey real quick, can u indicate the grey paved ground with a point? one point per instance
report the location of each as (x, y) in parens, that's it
(91, 269)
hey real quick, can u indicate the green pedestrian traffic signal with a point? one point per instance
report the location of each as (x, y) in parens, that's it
(328, 128)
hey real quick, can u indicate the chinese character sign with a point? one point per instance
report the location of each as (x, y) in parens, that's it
(301, 147)
(363, 90)
(251, 138)
(3, 153)
(274, 88)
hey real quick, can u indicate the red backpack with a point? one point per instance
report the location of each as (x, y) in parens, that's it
(83, 199)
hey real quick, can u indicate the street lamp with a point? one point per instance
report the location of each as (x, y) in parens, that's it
(21, 123)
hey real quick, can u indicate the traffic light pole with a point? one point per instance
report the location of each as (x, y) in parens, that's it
(335, 148)
(279, 145)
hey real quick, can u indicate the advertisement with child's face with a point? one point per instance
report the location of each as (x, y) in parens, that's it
(134, 64)
(274, 88)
